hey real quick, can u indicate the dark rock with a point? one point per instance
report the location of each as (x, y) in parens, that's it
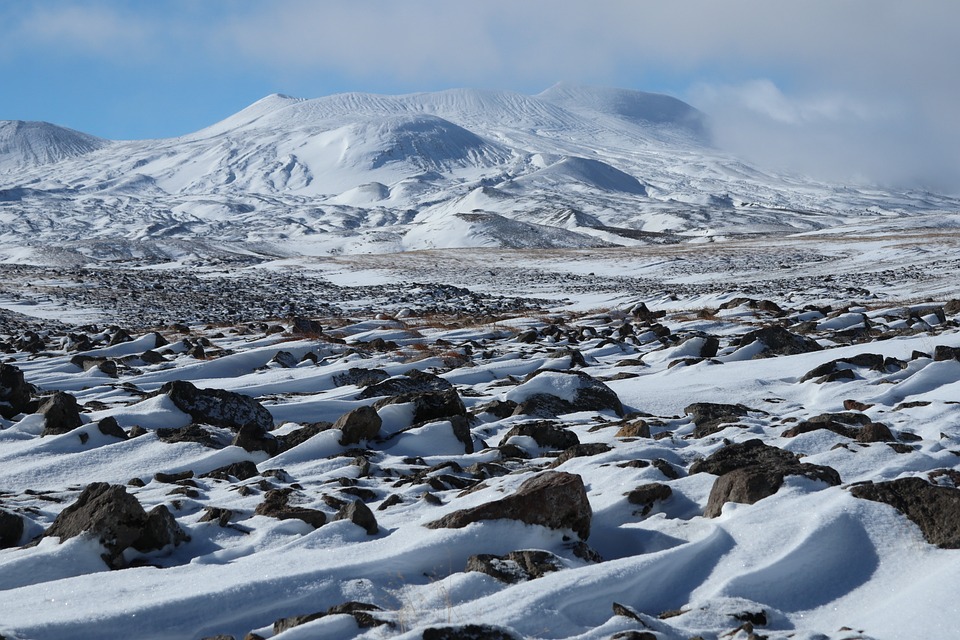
(152, 357)
(61, 412)
(275, 505)
(216, 514)
(854, 405)
(553, 499)
(646, 495)
(429, 405)
(746, 486)
(218, 407)
(935, 509)
(777, 341)
(590, 395)
(666, 469)
(190, 433)
(760, 469)
(359, 610)
(635, 429)
(299, 436)
(843, 424)
(119, 336)
(942, 352)
(546, 434)
(413, 382)
(360, 424)
(119, 521)
(875, 432)
(172, 478)
(306, 327)
(14, 391)
(499, 408)
(392, 500)
(109, 427)
(580, 451)
(468, 632)
(516, 566)
(359, 514)
(360, 377)
(251, 438)
(708, 416)
(284, 359)
(11, 529)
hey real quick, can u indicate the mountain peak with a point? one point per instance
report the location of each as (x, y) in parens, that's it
(25, 143)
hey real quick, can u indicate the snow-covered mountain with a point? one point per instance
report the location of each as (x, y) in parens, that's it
(572, 166)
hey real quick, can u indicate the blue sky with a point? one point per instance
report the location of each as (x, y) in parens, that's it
(843, 89)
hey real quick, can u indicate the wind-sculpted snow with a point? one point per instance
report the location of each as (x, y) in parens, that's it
(360, 173)
(409, 423)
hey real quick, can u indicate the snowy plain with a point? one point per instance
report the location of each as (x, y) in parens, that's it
(568, 233)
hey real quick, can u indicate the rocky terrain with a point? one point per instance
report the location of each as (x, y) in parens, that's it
(736, 441)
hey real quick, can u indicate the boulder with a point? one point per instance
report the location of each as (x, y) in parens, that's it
(284, 360)
(429, 405)
(546, 434)
(777, 341)
(14, 391)
(360, 611)
(708, 416)
(413, 382)
(305, 327)
(468, 632)
(750, 471)
(251, 438)
(61, 413)
(552, 499)
(516, 566)
(360, 377)
(547, 393)
(11, 529)
(243, 470)
(646, 495)
(217, 407)
(359, 514)
(935, 509)
(275, 505)
(119, 521)
(362, 423)
(636, 429)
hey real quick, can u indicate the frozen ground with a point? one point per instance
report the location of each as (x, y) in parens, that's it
(809, 560)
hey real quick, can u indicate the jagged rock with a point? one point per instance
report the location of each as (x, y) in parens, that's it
(284, 359)
(61, 413)
(190, 433)
(468, 632)
(580, 451)
(14, 391)
(499, 408)
(11, 529)
(844, 424)
(152, 357)
(777, 341)
(646, 495)
(359, 514)
(580, 392)
(942, 352)
(875, 432)
(413, 382)
(708, 416)
(275, 505)
(935, 509)
(360, 377)
(546, 434)
(553, 499)
(760, 470)
(429, 405)
(119, 521)
(636, 429)
(362, 423)
(516, 566)
(172, 478)
(251, 438)
(217, 407)
(305, 327)
(299, 436)
(359, 610)
(109, 427)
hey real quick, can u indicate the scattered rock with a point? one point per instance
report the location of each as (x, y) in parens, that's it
(777, 341)
(360, 424)
(109, 427)
(578, 392)
(636, 429)
(553, 499)
(646, 495)
(251, 438)
(546, 434)
(359, 514)
(429, 405)
(413, 382)
(516, 566)
(275, 505)
(360, 377)
(218, 407)
(708, 416)
(119, 521)
(468, 632)
(61, 412)
(935, 509)
(14, 391)
(11, 529)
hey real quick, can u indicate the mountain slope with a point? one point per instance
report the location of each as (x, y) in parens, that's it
(358, 172)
